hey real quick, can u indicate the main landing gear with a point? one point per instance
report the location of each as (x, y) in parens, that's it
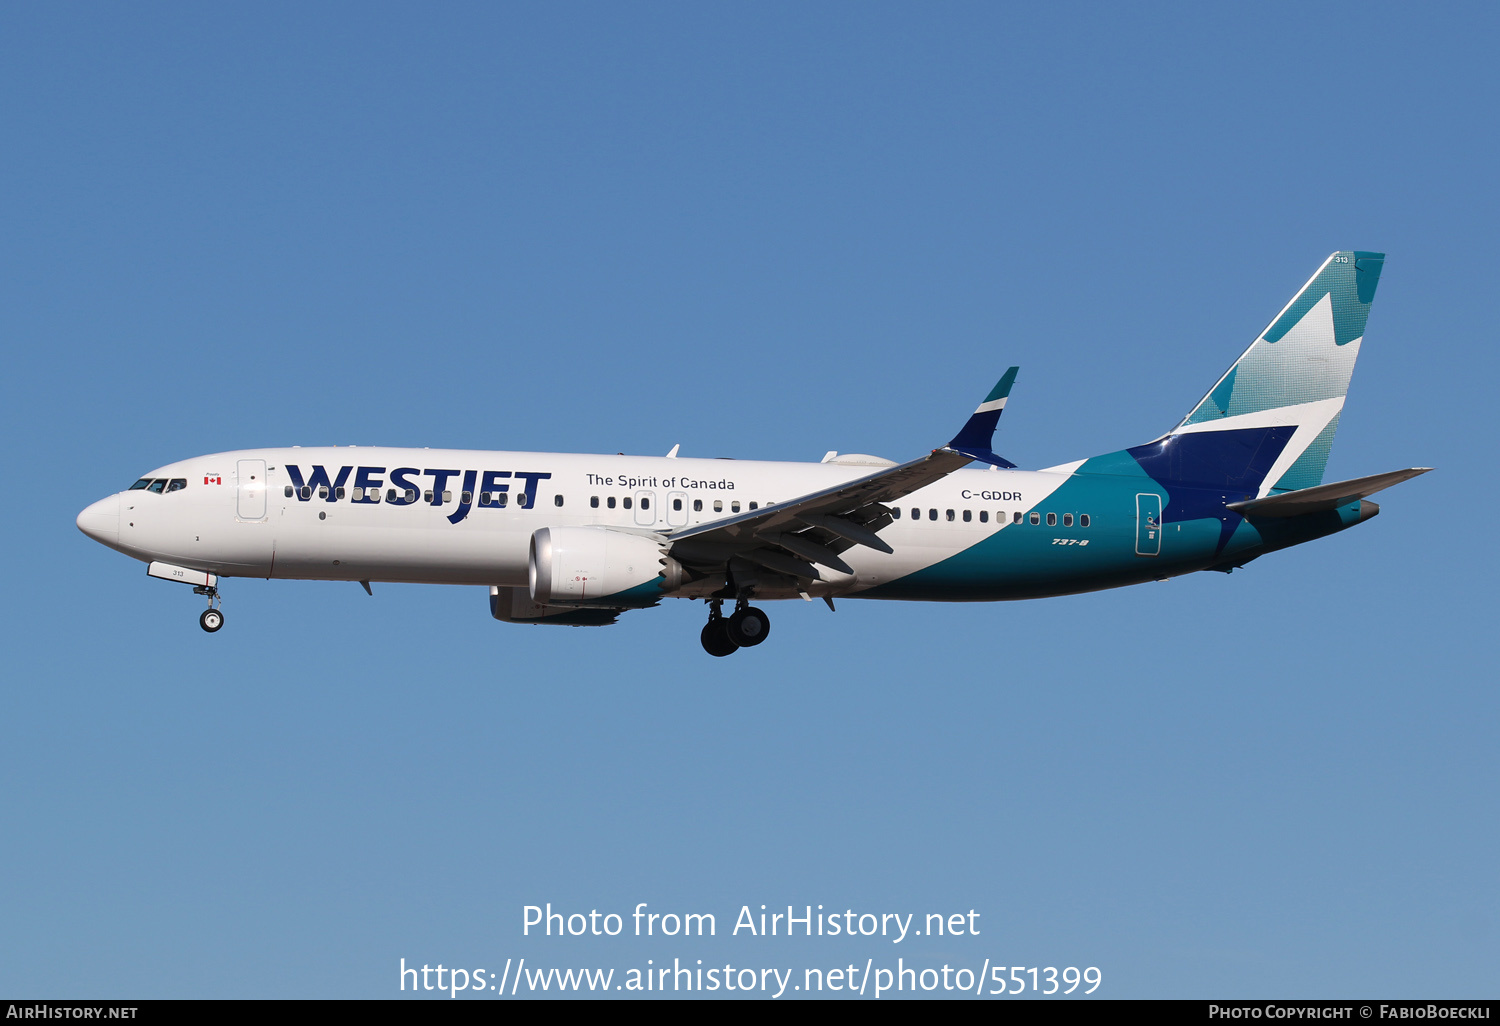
(745, 627)
(213, 617)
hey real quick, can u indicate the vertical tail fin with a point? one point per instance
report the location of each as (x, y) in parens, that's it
(1295, 374)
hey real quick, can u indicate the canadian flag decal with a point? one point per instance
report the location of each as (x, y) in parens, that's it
(212, 479)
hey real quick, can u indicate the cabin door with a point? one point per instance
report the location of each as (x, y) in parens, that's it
(250, 486)
(1148, 524)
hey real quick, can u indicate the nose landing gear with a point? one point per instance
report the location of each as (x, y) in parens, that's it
(213, 617)
(746, 627)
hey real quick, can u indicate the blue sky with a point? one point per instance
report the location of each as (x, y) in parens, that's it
(761, 231)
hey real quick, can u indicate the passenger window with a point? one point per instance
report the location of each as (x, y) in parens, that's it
(896, 513)
(950, 516)
(984, 516)
(625, 502)
(610, 502)
(676, 505)
(501, 498)
(288, 491)
(697, 505)
(339, 492)
(411, 495)
(1083, 520)
(1051, 519)
(593, 502)
(322, 492)
(143, 482)
(177, 484)
(755, 505)
(1067, 520)
(359, 494)
(916, 514)
(968, 516)
(645, 502)
(718, 505)
(1036, 518)
(466, 498)
(447, 495)
(557, 500)
(427, 495)
(157, 485)
(734, 507)
(306, 492)
(390, 495)
(932, 514)
(1016, 518)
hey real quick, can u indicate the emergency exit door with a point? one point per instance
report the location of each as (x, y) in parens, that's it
(645, 508)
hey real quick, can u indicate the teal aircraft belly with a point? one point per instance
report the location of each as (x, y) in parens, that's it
(1025, 560)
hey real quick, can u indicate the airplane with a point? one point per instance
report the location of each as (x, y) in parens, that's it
(577, 540)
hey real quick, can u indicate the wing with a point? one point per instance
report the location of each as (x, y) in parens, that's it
(795, 537)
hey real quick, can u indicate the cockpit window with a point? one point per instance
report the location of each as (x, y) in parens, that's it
(142, 483)
(158, 485)
(177, 484)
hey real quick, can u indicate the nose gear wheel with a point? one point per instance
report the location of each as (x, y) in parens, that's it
(213, 617)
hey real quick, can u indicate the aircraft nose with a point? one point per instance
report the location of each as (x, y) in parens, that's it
(101, 521)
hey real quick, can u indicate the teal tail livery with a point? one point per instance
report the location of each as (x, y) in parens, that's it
(576, 540)
(1298, 370)
(1266, 427)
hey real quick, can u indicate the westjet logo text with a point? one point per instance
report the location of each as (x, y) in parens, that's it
(405, 486)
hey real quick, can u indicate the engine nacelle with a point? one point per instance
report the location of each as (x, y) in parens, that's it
(597, 566)
(514, 605)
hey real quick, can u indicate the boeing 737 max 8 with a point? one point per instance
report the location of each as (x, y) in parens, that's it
(577, 540)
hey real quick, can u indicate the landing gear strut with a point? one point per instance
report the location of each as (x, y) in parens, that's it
(722, 635)
(213, 617)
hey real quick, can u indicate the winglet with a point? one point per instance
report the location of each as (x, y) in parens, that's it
(977, 436)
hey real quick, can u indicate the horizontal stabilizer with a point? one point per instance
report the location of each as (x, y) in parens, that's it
(1323, 497)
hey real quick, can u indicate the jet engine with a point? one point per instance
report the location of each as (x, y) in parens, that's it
(599, 566)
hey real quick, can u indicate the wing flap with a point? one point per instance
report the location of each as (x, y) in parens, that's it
(872, 489)
(799, 535)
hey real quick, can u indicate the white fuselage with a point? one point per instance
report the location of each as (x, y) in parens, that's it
(244, 514)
